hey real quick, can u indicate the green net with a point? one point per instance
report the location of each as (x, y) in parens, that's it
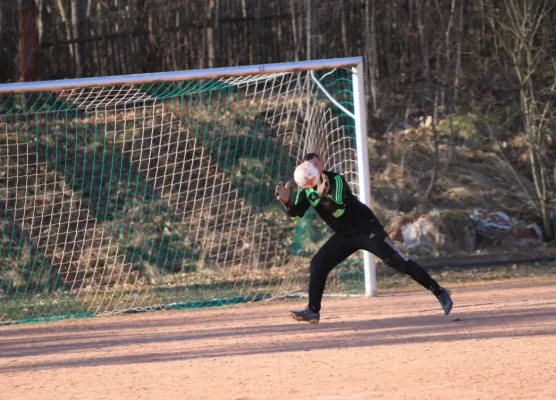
(161, 195)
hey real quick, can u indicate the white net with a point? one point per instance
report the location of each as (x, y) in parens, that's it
(162, 195)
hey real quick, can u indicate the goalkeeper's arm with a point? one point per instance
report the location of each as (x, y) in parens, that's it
(295, 209)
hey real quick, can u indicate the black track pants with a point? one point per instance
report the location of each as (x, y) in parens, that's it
(339, 247)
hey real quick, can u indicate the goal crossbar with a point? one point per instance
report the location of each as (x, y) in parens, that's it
(187, 75)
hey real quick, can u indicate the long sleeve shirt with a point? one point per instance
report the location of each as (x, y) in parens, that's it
(340, 209)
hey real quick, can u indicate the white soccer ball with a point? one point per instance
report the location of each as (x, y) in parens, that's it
(306, 175)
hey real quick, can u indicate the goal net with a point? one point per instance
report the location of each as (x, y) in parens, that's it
(157, 195)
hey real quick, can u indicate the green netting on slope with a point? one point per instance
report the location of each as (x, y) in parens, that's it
(161, 195)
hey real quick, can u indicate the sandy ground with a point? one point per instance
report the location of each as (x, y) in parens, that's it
(391, 347)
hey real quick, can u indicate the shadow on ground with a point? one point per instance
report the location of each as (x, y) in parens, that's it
(271, 337)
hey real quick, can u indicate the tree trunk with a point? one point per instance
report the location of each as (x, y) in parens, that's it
(247, 43)
(308, 17)
(40, 25)
(64, 17)
(434, 175)
(296, 42)
(210, 33)
(430, 88)
(457, 73)
(420, 9)
(370, 39)
(343, 27)
(78, 24)
(451, 102)
(28, 41)
(547, 221)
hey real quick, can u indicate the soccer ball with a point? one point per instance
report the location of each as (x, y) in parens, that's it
(306, 175)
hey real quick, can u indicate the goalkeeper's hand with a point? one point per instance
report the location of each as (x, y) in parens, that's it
(323, 186)
(283, 191)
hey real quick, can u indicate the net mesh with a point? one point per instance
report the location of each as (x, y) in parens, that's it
(155, 196)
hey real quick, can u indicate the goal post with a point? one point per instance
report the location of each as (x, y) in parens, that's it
(156, 191)
(361, 134)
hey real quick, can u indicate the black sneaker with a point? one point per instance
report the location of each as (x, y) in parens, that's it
(443, 296)
(306, 315)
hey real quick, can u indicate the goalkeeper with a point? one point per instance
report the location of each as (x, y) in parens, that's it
(355, 227)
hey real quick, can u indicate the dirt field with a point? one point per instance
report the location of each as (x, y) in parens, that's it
(391, 347)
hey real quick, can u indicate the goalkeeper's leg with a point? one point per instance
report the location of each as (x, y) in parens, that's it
(382, 246)
(333, 252)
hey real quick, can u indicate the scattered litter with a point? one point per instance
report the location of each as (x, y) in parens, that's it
(506, 231)
(421, 234)
(450, 232)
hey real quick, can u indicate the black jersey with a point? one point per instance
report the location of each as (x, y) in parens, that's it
(340, 209)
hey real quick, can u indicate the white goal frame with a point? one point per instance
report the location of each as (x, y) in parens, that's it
(359, 114)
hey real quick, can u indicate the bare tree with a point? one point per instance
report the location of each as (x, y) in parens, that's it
(520, 38)
(296, 42)
(67, 25)
(308, 29)
(343, 22)
(78, 27)
(40, 24)
(371, 49)
(28, 40)
(447, 103)
(457, 80)
(211, 5)
(431, 88)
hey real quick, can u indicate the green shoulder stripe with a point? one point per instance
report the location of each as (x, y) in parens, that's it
(297, 196)
(339, 189)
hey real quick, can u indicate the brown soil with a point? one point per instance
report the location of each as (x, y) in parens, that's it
(501, 346)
